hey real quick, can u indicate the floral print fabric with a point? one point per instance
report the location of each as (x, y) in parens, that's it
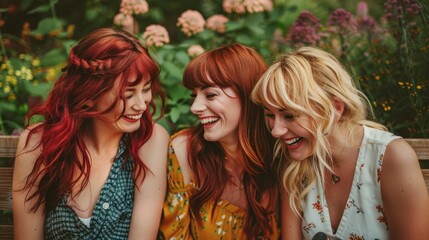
(225, 222)
(363, 216)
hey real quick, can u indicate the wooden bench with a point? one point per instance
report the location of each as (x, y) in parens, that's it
(7, 153)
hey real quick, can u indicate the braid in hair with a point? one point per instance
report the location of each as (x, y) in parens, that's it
(96, 66)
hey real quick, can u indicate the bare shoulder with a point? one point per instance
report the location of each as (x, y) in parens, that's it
(401, 170)
(27, 151)
(27, 142)
(157, 145)
(399, 154)
(159, 135)
(179, 141)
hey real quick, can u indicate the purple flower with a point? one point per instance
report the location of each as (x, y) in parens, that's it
(400, 9)
(341, 21)
(305, 30)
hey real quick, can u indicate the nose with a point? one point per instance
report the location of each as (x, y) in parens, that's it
(279, 128)
(141, 103)
(198, 105)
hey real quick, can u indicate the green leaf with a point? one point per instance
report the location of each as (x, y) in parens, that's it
(40, 9)
(174, 114)
(244, 39)
(38, 90)
(7, 107)
(182, 57)
(234, 25)
(36, 119)
(173, 70)
(53, 57)
(48, 25)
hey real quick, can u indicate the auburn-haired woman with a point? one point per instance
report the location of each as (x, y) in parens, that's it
(78, 173)
(220, 182)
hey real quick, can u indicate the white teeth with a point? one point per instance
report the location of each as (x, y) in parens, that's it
(208, 120)
(135, 117)
(292, 141)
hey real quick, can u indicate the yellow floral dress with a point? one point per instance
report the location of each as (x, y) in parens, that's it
(226, 222)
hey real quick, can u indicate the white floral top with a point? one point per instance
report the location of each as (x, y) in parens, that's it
(363, 216)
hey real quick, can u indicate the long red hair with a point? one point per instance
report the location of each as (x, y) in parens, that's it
(239, 68)
(93, 65)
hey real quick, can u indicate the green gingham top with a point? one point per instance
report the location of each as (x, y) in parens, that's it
(111, 217)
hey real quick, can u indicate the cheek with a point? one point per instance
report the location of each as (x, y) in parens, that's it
(270, 123)
(148, 96)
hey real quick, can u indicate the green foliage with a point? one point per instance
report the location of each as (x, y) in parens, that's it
(390, 65)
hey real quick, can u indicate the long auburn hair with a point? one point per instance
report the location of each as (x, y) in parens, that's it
(237, 67)
(93, 65)
(304, 82)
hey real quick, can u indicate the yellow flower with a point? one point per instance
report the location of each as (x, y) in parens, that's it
(6, 89)
(35, 62)
(51, 74)
(11, 97)
(11, 80)
(26, 73)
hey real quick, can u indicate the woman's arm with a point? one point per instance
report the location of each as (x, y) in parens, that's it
(405, 198)
(290, 222)
(26, 224)
(149, 198)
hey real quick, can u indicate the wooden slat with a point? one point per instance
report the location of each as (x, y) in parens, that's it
(421, 146)
(8, 146)
(6, 188)
(6, 232)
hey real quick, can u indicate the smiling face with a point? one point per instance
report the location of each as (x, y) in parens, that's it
(219, 110)
(120, 118)
(292, 130)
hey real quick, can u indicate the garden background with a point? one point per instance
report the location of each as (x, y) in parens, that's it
(383, 44)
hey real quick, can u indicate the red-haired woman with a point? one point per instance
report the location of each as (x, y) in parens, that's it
(79, 172)
(220, 181)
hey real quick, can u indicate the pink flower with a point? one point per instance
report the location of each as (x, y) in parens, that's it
(192, 22)
(250, 6)
(134, 7)
(236, 6)
(155, 35)
(195, 50)
(217, 23)
(362, 10)
(126, 21)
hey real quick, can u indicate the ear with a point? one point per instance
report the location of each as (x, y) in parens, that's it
(339, 108)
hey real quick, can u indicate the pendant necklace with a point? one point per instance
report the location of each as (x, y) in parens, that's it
(335, 179)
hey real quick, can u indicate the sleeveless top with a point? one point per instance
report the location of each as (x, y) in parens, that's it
(225, 222)
(363, 216)
(111, 217)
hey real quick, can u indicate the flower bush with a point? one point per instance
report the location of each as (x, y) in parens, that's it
(28, 67)
(386, 53)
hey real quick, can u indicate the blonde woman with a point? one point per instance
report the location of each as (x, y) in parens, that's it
(344, 176)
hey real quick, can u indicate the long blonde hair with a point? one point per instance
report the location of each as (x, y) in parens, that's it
(304, 82)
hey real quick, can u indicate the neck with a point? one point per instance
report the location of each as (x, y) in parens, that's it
(344, 144)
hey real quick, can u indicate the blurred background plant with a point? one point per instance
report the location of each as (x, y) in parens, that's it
(385, 46)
